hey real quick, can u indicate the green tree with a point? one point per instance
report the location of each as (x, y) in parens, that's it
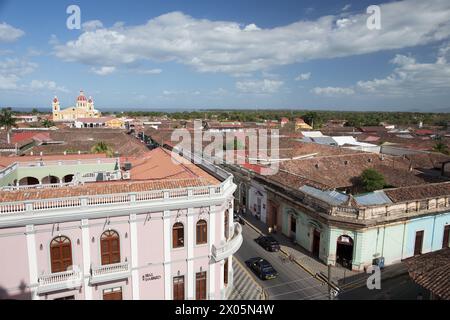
(102, 147)
(372, 180)
(47, 123)
(7, 121)
(441, 147)
(34, 111)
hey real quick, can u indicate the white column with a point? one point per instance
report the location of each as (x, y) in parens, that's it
(212, 240)
(32, 260)
(190, 254)
(167, 249)
(134, 257)
(86, 258)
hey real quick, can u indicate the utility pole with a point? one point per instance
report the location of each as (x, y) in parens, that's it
(329, 282)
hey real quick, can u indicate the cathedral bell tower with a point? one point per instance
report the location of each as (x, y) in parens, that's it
(55, 108)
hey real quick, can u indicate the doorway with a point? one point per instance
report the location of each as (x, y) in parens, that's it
(418, 243)
(316, 243)
(344, 251)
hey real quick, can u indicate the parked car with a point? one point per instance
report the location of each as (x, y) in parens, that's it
(238, 218)
(269, 243)
(262, 268)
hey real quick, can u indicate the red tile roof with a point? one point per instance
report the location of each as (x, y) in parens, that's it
(432, 271)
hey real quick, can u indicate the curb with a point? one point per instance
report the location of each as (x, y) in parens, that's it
(265, 295)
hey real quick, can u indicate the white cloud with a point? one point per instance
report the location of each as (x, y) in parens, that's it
(46, 85)
(103, 71)
(149, 71)
(347, 7)
(412, 78)
(12, 70)
(265, 86)
(229, 47)
(9, 33)
(409, 78)
(333, 91)
(303, 76)
(92, 25)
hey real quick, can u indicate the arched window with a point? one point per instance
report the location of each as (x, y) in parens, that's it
(110, 247)
(60, 254)
(226, 225)
(178, 235)
(202, 232)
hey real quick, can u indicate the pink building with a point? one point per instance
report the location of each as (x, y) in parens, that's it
(147, 228)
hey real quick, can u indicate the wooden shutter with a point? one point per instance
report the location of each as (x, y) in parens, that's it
(202, 232)
(110, 247)
(60, 254)
(178, 235)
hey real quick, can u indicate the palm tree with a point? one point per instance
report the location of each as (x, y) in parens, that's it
(441, 147)
(7, 121)
(102, 147)
(47, 123)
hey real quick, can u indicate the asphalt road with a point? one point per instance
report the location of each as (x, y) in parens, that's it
(293, 283)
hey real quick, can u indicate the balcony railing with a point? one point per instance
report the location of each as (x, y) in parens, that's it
(65, 280)
(118, 198)
(110, 272)
(230, 247)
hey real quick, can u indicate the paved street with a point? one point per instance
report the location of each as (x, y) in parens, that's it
(293, 283)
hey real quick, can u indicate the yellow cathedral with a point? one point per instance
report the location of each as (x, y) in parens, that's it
(84, 108)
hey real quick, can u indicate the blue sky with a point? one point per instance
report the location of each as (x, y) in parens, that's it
(227, 54)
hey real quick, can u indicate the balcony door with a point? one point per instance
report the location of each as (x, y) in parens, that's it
(60, 254)
(110, 247)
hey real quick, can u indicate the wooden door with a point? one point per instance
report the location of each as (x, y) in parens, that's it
(200, 286)
(418, 243)
(178, 288)
(60, 254)
(112, 294)
(110, 247)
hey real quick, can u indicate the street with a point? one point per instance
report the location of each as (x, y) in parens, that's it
(293, 283)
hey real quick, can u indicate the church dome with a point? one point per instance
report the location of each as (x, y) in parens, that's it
(55, 100)
(81, 97)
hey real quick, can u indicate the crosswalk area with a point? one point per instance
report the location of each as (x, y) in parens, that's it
(244, 286)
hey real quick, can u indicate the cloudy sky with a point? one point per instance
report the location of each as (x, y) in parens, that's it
(163, 54)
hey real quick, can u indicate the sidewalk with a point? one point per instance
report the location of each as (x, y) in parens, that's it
(303, 258)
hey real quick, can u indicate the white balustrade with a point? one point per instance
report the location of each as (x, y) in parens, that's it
(59, 281)
(110, 272)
